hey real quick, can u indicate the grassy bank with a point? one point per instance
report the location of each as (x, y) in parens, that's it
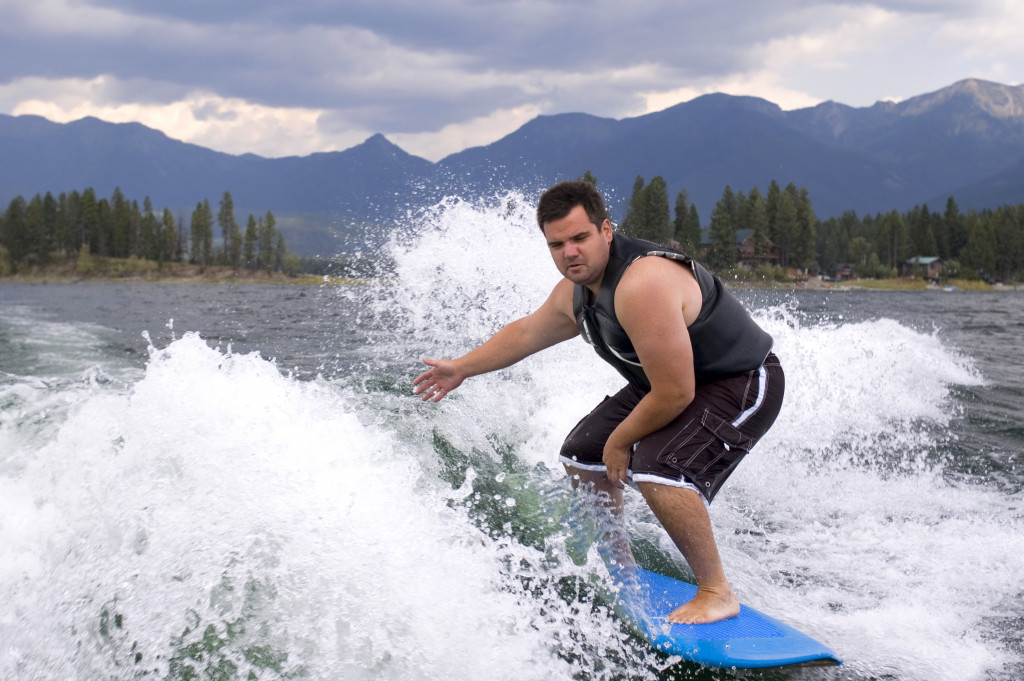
(126, 270)
(99, 269)
(777, 278)
(915, 285)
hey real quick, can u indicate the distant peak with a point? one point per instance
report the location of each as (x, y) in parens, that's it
(379, 140)
(995, 99)
(723, 99)
(378, 144)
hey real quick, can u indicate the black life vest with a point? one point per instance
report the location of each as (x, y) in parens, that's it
(725, 340)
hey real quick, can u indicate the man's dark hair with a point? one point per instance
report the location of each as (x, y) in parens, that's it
(560, 199)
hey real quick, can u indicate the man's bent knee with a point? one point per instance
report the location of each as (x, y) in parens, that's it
(649, 487)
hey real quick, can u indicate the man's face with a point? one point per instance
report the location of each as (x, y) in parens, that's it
(578, 247)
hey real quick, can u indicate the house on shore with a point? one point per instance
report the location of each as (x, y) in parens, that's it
(746, 249)
(930, 267)
(845, 272)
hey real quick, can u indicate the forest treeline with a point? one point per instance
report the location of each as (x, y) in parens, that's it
(80, 225)
(781, 232)
(769, 233)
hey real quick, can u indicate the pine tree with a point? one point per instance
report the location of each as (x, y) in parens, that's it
(722, 233)
(657, 226)
(105, 236)
(757, 220)
(181, 243)
(893, 240)
(202, 234)
(741, 211)
(149, 233)
(859, 250)
(15, 233)
(195, 234)
(249, 246)
(648, 216)
(1009, 238)
(729, 205)
(831, 240)
(134, 235)
(772, 205)
(980, 251)
(169, 240)
(635, 218)
(922, 237)
(36, 244)
(120, 225)
(280, 252)
(230, 231)
(268, 239)
(806, 235)
(785, 226)
(207, 231)
(956, 227)
(686, 226)
(66, 238)
(694, 228)
(90, 224)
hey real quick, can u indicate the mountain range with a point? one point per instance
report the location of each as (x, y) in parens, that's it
(965, 141)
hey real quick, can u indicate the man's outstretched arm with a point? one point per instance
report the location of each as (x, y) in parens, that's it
(551, 323)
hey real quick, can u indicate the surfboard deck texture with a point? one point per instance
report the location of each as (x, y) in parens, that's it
(750, 640)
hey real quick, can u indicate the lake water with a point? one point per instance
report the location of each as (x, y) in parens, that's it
(235, 482)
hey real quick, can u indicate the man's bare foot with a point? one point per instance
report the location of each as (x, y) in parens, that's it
(706, 607)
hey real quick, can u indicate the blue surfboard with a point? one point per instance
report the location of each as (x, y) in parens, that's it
(750, 640)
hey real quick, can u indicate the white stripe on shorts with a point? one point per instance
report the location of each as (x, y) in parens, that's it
(681, 483)
(762, 381)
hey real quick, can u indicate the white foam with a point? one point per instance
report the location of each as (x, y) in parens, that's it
(218, 493)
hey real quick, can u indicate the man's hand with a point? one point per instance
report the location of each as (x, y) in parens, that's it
(616, 460)
(441, 378)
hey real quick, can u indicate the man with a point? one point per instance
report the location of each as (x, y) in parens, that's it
(702, 388)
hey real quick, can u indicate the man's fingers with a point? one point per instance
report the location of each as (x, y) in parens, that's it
(434, 394)
(436, 382)
(427, 375)
(616, 478)
(431, 392)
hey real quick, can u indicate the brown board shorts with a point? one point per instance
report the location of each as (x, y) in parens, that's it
(698, 449)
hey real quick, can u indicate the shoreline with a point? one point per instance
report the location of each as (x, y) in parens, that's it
(129, 271)
(231, 277)
(895, 284)
(286, 280)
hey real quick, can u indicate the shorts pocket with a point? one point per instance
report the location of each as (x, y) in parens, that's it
(702, 447)
(726, 432)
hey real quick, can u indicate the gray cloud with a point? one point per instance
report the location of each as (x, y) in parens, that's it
(318, 53)
(404, 66)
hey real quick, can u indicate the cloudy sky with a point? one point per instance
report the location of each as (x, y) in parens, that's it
(293, 77)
